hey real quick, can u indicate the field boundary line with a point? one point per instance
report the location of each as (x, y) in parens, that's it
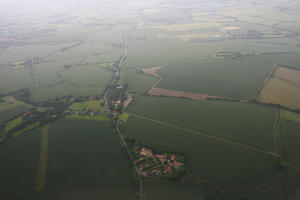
(262, 85)
(208, 136)
(276, 131)
(291, 166)
(42, 166)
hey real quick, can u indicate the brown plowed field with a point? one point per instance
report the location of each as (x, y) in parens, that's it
(173, 93)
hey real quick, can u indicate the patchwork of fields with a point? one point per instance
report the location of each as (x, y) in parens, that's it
(216, 82)
(68, 159)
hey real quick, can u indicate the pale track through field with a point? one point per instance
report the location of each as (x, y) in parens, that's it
(207, 135)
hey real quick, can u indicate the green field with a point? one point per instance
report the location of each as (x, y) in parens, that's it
(9, 114)
(240, 122)
(18, 169)
(11, 124)
(290, 135)
(137, 81)
(88, 117)
(86, 159)
(219, 77)
(82, 81)
(93, 105)
(227, 166)
(157, 189)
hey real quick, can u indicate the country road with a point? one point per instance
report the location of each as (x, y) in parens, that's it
(113, 80)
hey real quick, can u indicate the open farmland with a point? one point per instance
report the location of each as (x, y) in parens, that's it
(228, 166)
(289, 141)
(19, 163)
(160, 190)
(219, 77)
(82, 159)
(9, 114)
(247, 123)
(282, 88)
(149, 100)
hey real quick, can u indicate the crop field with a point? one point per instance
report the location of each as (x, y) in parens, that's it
(93, 105)
(11, 124)
(88, 117)
(161, 190)
(19, 162)
(215, 82)
(247, 123)
(88, 80)
(282, 88)
(14, 79)
(6, 106)
(137, 81)
(289, 142)
(290, 116)
(228, 166)
(167, 52)
(219, 77)
(82, 160)
(8, 114)
(290, 75)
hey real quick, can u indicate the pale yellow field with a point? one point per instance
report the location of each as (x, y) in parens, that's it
(290, 75)
(290, 116)
(280, 92)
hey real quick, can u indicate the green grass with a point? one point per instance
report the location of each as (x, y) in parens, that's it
(294, 117)
(227, 166)
(107, 64)
(156, 189)
(78, 81)
(240, 122)
(88, 117)
(11, 80)
(124, 117)
(137, 81)
(6, 106)
(289, 143)
(9, 114)
(12, 124)
(26, 129)
(86, 159)
(93, 105)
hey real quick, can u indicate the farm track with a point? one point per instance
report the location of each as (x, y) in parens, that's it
(208, 136)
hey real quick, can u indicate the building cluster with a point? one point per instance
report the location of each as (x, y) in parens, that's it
(155, 164)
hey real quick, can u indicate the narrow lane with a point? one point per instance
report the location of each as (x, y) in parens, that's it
(114, 80)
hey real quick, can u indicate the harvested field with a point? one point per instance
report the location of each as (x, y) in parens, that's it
(152, 71)
(289, 75)
(280, 92)
(282, 88)
(154, 91)
(290, 116)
